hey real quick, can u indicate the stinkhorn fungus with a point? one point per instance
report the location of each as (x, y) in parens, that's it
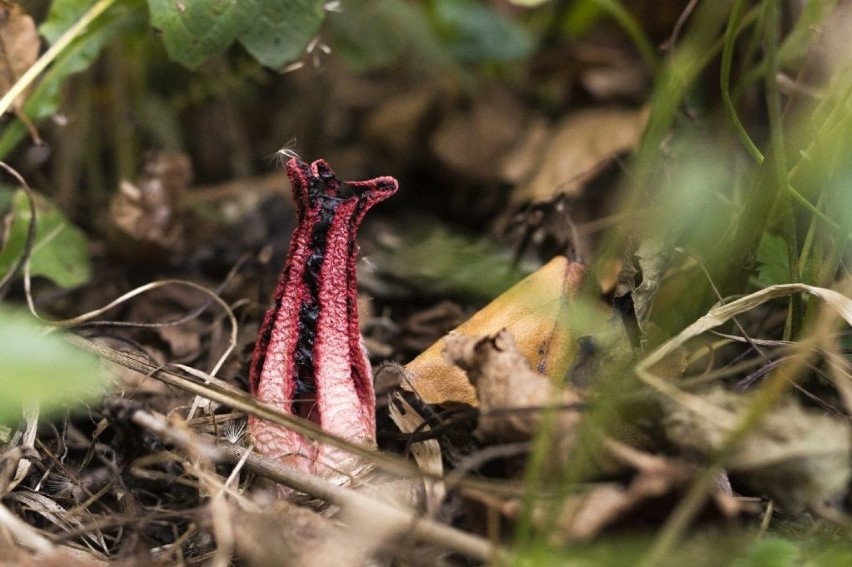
(309, 359)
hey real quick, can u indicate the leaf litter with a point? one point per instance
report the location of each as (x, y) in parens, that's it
(148, 482)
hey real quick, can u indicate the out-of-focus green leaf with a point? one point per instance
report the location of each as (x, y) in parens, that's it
(274, 32)
(195, 31)
(41, 369)
(44, 99)
(771, 552)
(478, 34)
(582, 16)
(59, 253)
(376, 34)
(281, 29)
(437, 260)
(773, 265)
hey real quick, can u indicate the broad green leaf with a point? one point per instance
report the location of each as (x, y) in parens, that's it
(59, 252)
(478, 34)
(378, 34)
(274, 32)
(78, 56)
(281, 29)
(39, 368)
(195, 31)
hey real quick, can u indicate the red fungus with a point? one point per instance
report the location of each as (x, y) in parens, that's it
(309, 359)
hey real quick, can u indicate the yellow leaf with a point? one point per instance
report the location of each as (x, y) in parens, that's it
(536, 311)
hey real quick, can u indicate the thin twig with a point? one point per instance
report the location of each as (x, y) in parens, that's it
(218, 391)
(349, 500)
(357, 503)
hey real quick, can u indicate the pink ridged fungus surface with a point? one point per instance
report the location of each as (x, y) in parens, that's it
(309, 359)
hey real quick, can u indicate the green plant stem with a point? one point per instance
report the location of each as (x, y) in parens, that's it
(830, 266)
(672, 82)
(710, 55)
(736, 23)
(778, 163)
(731, 32)
(41, 64)
(809, 242)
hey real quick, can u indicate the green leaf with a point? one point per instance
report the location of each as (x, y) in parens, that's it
(274, 32)
(436, 259)
(582, 17)
(770, 552)
(281, 29)
(478, 34)
(377, 34)
(78, 56)
(773, 265)
(195, 31)
(42, 369)
(59, 253)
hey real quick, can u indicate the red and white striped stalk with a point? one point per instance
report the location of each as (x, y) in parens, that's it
(309, 359)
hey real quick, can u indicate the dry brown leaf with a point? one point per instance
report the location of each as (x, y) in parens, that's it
(512, 396)
(144, 217)
(19, 45)
(574, 152)
(535, 311)
(473, 141)
(584, 515)
(281, 534)
(523, 161)
(795, 456)
(397, 125)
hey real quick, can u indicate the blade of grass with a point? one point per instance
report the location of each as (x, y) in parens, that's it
(731, 32)
(778, 160)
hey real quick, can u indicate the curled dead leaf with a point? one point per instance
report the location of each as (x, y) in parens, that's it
(19, 45)
(144, 216)
(795, 456)
(512, 396)
(535, 311)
